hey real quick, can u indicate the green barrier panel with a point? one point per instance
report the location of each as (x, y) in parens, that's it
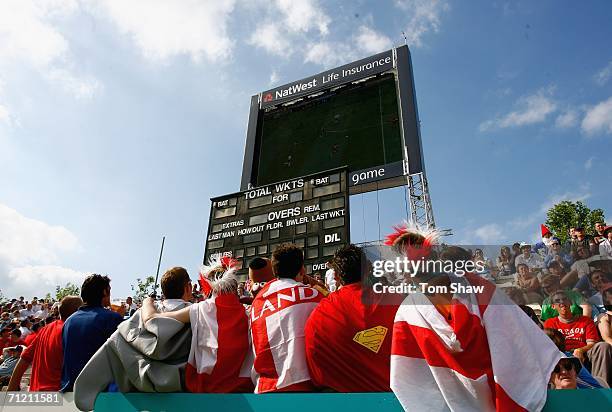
(568, 400)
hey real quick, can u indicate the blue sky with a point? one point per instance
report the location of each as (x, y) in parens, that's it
(119, 120)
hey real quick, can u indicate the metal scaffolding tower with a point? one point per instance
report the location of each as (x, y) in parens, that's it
(421, 212)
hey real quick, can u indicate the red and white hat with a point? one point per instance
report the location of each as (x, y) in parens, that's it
(411, 241)
(219, 275)
(545, 231)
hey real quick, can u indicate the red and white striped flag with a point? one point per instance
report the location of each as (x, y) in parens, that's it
(278, 317)
(221, 358)
(487, 355)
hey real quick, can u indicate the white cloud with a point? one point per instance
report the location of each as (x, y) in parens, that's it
(31, 38)
(303, 15)
(82, 88)
(602, 76)
(27, 32)
(38, 280)
(567, 119)
(589, 163)
(285, 22)
(371, 41)
(489, 234)
(167, 28)
(424, 18)
(274, 78)
(5, 116)
(328, 54)
(598, 119)
(531, 109)
(30, 251)
(333, 53)
(269, 37)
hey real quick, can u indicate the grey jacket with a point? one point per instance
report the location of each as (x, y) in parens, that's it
(137, 359)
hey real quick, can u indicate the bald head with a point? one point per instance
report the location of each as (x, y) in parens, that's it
(69, 305)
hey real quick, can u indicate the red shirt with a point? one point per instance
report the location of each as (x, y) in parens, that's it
(4, 343)
(348, 342)
(576, 333)
(28, 339)
(45, 353)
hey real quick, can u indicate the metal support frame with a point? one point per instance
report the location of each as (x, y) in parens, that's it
(421, 212)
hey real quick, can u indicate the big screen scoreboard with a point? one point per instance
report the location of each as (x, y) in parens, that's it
(310, 211)
(361, 115)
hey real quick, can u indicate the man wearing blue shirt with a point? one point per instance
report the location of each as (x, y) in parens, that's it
(87, 329)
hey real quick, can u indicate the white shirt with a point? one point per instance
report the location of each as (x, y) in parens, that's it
(170, 305)
(330, 280)
(534, 261)
(24, 332)
(582, 267)
(41, 314)
(605, 248)
(24, 313)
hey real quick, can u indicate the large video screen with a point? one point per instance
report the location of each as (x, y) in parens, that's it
(357, 126)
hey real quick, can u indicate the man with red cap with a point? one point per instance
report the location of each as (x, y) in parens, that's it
(348, 336)
(260, 273)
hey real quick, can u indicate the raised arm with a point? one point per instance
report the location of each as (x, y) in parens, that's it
(148, 312)
(20, 368)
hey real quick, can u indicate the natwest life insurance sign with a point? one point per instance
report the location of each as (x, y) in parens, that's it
(310, 211)
(372, 65)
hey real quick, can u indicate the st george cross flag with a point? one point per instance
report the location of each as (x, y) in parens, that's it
(278, 317)
(486, 355)
(221, 358)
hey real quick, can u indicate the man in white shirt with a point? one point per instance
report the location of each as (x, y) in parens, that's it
(177, 291)
(532, 260)
(24, 313)
(25, 328)
(35, 305)
(605, 246)
(330, 280)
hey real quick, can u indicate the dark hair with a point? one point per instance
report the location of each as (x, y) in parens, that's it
(455, 254)
(93, 289)
(557, 337)
(532, 315)
(69, 305)
(16, 332)
(605, 275)
(287, 260)
(346, 262)
(257, 263)
(36, 326)
(173, 282)
(556, 264)
(25, 322)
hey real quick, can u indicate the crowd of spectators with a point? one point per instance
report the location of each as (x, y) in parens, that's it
(565, 288)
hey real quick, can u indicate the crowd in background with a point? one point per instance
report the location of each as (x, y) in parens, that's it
(565, 288)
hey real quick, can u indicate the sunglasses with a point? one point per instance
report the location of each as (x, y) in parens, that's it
(567, 366)
(561, 300)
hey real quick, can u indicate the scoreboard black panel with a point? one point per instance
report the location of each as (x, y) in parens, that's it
(310, 211)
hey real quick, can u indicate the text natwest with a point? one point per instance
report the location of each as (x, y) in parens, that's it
(296, 88)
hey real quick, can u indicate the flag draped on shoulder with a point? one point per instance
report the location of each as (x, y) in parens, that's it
(278, 317)
(221, 358)
(485, 355)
